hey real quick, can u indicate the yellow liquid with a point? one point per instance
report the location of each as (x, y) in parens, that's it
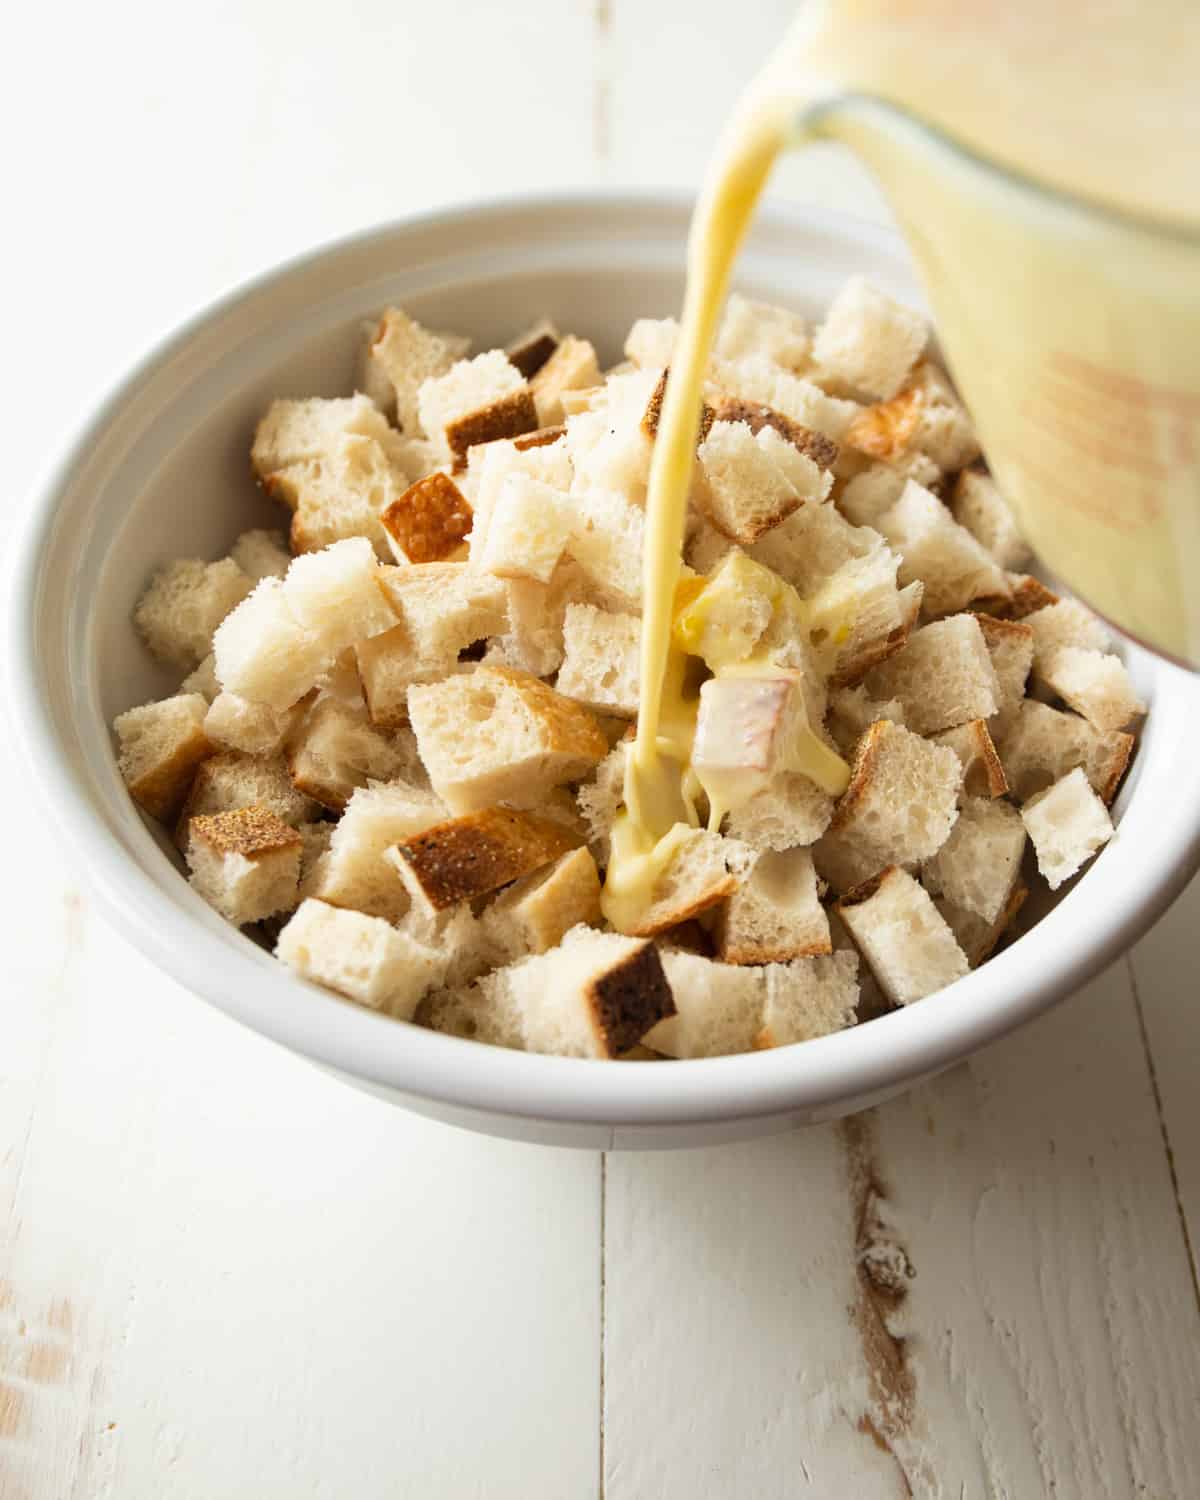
(1073, 332)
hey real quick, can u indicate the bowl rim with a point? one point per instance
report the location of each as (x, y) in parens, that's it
(882, 1056)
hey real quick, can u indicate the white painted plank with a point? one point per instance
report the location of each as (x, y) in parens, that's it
(1168, 990)
(1047, 1341)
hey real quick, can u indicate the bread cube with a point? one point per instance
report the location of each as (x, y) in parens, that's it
(401, 356)
(444, 607)
(749, 729)
(263, 653)
(859, 618)
(475, 401)
(902, 936)
(852, 710)
(485, 1011)
(693, 879)
(363, 958)
(978, 505)
(429, 522)
(869, 340)
(595, 995)
(758, 378)
(1028, 594)
(295, 434)
(160, 747)
(496, 735)
(811, 545)
(535, 912)
(978, 939)
(978, 865)
(1094, 685)
(227, 781)
(471, 856)
(650, 343)
(899, 807)
(934, 548)
(528, 531)
(600, 799)
(790, 811)
(809, 998)
(534, 641)
(601, 666)
(344, 494)
(530, 350)
(718, 1008)
(610, 443)
(807, 441)
(336, 750)
(943, 676)
(1039, 745)
(1066, 623)
(752, 480)
(490, 466)
(245, 864)
(774, 915)
(184, 604)
(1010, 645)
(750, 328)
(983, 771)
(571, 367)
(354, 872)
(337, 595)
(203, 679)
(1067, 823)
(234, 723)
(865, 497)
(607, 542)
(261, 554)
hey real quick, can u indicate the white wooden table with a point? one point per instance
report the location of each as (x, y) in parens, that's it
(224, 1275)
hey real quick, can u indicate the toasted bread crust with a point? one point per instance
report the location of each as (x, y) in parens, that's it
(1028, 594)
(479, 852)
(540, 437)
(568, 725)
(997, 628)
(430, 521)
(252, 832)
(1122, 748)
(862, 773)
(661, 918)
(768, 953)
(871, 653)
(887, 429)
(866, 890)
(530, 350)
(815, 445)
(509, 416)
(989, 759)
(163, 789)
(653, 413)
(627, 999)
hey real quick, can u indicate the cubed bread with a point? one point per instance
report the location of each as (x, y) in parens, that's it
(406, 355)
(490, 466)
(1066, 623)
(497, 735)
(822, 450)
(363, 958)
(983, 770)
(899, 807)
(227, 781)
(752, 480)
(1039, 745)
(809, 998)
(758, 378)
(774, 915)
(476, 401)
(429, 522)
(610, 442)
(977, 938)
(485, 1011)
(457, 935)
(924, 417)
(444, 607)
(596, 995)
(692, 877)
(811, 545)
(336, 750)
(336, 594)
(869, 340)
(852, 710)
(718, 1007)
(1028, 594)
(650, 342)
(934, 548)
(237, 724)
(533, 346)
(344, 494)
(600, 666)
(535, 912)
(978, 865)
(943, 676)
(160, 747)
(1094, 685)
(572, 367)
(528, 530)
(789, 812)
(978, 505)
(534, 641)
(342, 681)
(861, 615)
(261, 554)
(902, 936)
(865, 496)
(203, 679)
(471, 856)
(750, 328)
(295, 434)
(263, 653)
(1010, 645)
(353, 872)
(1067, 823)
(600, 798)
(245, 864)
(184, 604)
(607, 541)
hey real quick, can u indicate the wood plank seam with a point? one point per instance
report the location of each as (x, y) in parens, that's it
(1168, 1148)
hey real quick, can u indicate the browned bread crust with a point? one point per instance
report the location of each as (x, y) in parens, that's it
(627, 999)
(815, 445)
(252, 832)
(479, 852)
(430, 521)
(506, 417)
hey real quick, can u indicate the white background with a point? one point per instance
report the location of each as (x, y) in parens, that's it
(223, 1275)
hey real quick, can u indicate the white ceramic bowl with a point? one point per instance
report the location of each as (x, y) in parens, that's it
(161, 471)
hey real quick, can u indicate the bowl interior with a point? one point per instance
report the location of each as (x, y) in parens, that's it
(163, 472)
